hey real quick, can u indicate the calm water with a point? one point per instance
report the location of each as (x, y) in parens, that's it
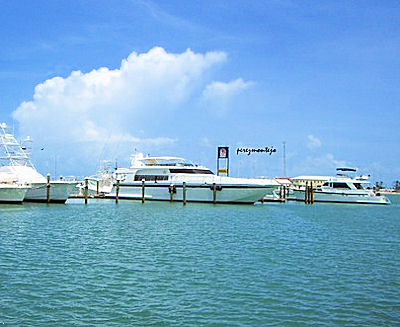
(159, 264)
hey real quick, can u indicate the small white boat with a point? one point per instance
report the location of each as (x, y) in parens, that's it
(102, 182)
(172, 178)
(341, 189)
(15, 162)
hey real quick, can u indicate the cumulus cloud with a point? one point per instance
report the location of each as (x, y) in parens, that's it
(219, 95)
(111, 104)
(205, 142)
(313, 142)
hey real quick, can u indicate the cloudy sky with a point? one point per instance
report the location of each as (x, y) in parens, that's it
(93, 80)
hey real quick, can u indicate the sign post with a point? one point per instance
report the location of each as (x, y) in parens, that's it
(223, 154)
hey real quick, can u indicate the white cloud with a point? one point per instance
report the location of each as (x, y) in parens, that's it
(110, 105)
(205, 142)
(219, 95)
(313, 142)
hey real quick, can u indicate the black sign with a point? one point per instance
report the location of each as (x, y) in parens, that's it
(223, 152)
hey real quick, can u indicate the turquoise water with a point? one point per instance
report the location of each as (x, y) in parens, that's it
(161, 264)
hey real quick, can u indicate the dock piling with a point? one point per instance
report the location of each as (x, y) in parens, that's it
(97, 187)
(214, 193)
(143, 190)
(184, 193)
(116, 191)
(171, 193)
(86, 190)
(309, 194)
(48, 188)
(306, 194)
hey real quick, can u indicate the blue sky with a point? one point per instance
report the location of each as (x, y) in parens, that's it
(323, 76)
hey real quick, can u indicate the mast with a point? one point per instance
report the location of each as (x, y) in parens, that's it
(284, 159)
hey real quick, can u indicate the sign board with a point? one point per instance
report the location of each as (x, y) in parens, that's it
(223, 152)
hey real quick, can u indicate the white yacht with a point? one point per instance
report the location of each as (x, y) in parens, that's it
(340, 189)
(15, 162)
(164, 179)
(102, 182)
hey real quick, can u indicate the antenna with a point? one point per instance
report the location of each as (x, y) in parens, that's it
(284, 159)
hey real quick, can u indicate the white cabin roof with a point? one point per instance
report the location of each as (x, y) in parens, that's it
(158, 159)
(139, 160)
(312, 178)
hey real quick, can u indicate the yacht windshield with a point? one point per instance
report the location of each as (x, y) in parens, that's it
(358, 186)
(168, 162)
(341, 185)
(190, 171)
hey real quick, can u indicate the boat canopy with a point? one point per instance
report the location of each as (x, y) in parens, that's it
(346, 169)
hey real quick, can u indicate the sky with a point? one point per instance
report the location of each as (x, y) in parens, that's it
(93, 80)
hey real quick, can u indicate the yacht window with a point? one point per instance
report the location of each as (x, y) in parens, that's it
(341, 185)
(190, 171)
(358, 186)
(326, 184)
(151, 177)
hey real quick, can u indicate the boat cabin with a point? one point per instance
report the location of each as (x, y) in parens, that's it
(344, 185)
(159, 169)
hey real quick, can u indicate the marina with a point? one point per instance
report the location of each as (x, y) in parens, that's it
(199, 163)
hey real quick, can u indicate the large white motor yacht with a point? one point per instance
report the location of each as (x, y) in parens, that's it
(164, 179)
(15, 161)
(340, 189)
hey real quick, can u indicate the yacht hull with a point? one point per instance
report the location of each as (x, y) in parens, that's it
(58, 193)
(9, 194)
(342, 197)
(240, 194)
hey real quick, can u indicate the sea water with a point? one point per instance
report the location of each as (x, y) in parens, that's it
(162, 264)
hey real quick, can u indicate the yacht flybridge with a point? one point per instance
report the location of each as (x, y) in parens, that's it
(165, 178)
(15, 163)
(340, 189)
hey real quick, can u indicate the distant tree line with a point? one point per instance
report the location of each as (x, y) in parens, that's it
(379, 185)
